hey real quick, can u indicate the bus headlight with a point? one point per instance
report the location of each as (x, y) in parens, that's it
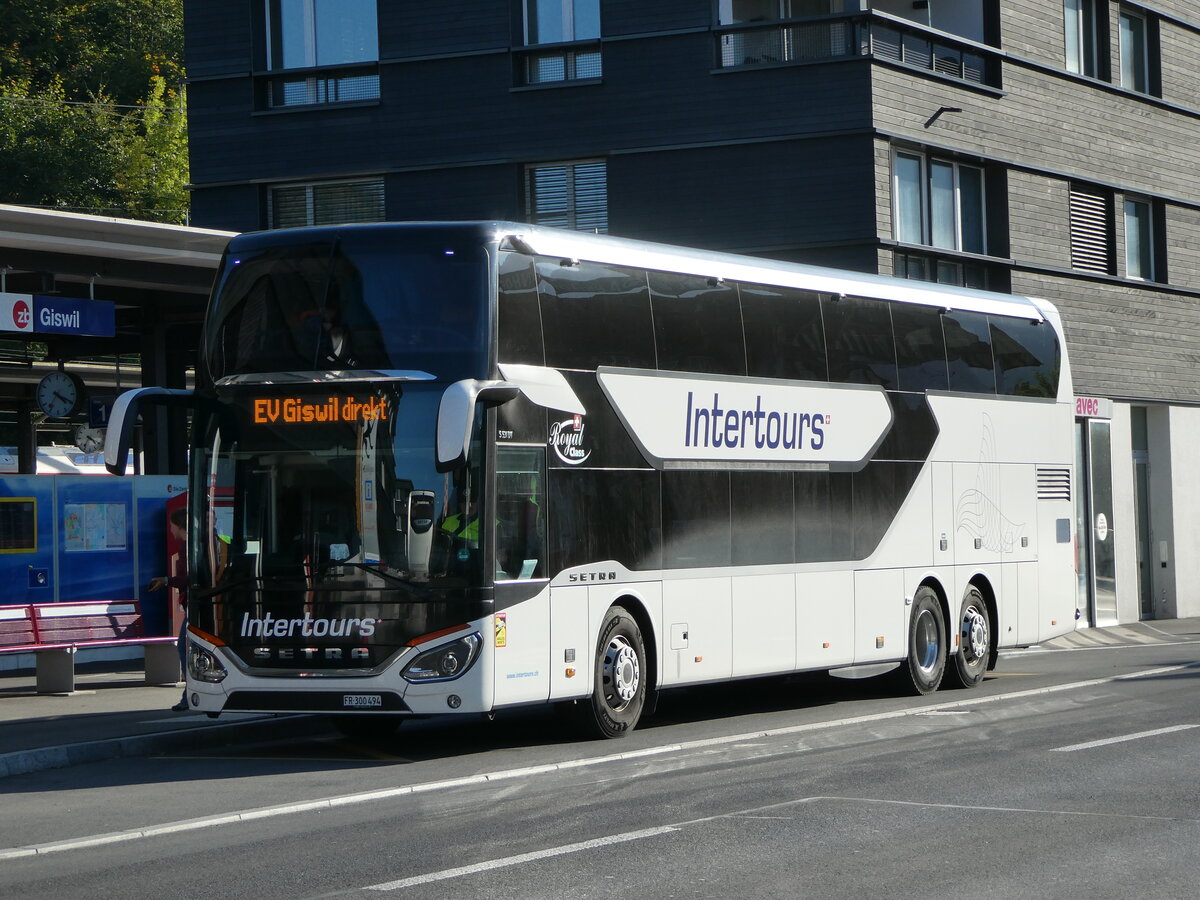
(203, 665)
(444, 663)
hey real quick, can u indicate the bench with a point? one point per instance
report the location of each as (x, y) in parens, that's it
(55, 631)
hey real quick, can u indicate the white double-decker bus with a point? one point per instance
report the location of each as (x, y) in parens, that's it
(458, 467)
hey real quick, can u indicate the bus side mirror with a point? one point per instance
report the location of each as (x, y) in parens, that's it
(125, 412)
(456, 414)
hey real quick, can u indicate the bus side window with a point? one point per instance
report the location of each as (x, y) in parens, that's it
(520, 513)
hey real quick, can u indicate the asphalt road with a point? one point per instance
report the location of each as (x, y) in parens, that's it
(1062, 776)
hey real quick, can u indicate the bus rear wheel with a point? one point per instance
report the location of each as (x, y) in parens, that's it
(922, 671)
(619, 691)
(974, 629)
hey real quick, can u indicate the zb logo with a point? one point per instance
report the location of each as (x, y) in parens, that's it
(21, 315)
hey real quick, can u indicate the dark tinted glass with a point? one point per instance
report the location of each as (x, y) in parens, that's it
(696, 526)
(598, 439)
(969, 353)
(879, 490)
(913, 428)
(595, 315)
(599, 515)
(1027, 357)
(520, 421)
(859, 336)
(764, 521)
(352, 299)
(784, 337)
(920, 347)
(519, 321)
(697, 324)
(816, 518)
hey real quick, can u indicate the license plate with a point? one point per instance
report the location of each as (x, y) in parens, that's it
(362, 701)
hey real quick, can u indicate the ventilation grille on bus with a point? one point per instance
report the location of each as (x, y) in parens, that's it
(1054, 484)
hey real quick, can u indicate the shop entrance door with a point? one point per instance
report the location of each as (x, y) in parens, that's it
(1096, 589)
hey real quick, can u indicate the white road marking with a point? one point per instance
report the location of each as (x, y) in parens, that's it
(521, 859)
(741, 815)
(1122, 738)
(1039, 650)
(549, 768)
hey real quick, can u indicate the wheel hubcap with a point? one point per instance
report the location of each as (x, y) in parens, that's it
(622, 673)
(974, 633)
(926, 642)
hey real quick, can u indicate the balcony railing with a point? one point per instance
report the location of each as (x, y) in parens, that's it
(776, 43)
(558, 64)
(780, 43)
(320, 87)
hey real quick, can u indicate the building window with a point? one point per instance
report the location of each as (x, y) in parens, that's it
(920, 267)
(329, 203)
(339, 36)
(568, 195)
(938, 203)
(1091, 229)
(1135, 55)
(560, 22)
(1082, 32)
(734, 12)
(1139, 240)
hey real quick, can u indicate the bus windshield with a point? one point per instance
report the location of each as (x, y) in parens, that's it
(334, 488)
(350, 299)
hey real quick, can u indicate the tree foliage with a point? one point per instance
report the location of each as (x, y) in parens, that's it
(91, 107)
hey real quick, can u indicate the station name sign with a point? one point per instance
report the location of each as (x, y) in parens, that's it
(299, 411)
(39, 314)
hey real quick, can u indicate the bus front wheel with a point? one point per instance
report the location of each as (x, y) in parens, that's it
(922, 671)
(974, 629)
(619, 691)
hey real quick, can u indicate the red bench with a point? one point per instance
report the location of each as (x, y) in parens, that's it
(55, 631)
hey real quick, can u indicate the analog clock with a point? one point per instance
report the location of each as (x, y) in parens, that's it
(60, 394)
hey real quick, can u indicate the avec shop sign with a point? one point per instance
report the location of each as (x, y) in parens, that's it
(39, 314)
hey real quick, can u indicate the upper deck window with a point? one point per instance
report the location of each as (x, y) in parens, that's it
(358, 300)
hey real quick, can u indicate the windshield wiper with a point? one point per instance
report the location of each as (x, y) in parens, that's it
(390, 577)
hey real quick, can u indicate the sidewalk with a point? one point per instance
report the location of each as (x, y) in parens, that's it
(112, 715)
(115, 714)
(1154, 631)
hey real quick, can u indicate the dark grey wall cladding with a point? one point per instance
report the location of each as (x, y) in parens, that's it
(1125, 341)
(218, 37)
(232, 208)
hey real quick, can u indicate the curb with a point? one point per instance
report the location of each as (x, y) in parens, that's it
(25, 762)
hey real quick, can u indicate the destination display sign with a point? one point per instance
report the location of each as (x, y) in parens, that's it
(304, 410)
(683, 420)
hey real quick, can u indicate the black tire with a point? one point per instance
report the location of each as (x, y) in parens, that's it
(366, 727)
(619, 692)
(974, 630)
(922, 671)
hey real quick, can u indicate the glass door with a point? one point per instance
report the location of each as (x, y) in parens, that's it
(1096, 548)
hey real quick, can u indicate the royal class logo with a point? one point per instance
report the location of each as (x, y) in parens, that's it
(566, 438)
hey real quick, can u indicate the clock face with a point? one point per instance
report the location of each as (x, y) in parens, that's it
(59, 394)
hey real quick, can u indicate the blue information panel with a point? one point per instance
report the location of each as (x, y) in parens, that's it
(70, 315)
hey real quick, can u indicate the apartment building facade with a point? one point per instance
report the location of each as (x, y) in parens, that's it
(1043, 147)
